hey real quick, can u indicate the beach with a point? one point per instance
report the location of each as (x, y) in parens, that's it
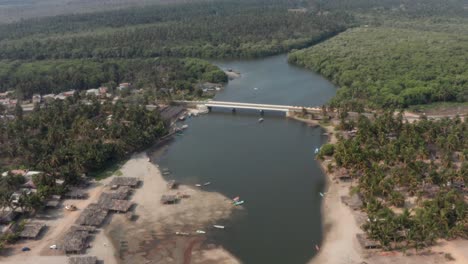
(340, 226)
(152, 237)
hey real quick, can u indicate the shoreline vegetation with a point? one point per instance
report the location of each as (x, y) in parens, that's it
(422, 65)
(341, 223)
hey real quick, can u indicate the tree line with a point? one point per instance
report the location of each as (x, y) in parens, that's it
(55, 76)
(396, 162)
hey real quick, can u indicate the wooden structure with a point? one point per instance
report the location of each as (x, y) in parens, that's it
(83, 260)
(367, 243)
(125, 181)
(121, 193)
(93, 215)
(106, 202)
(169, 199)
(76, 194)
(74, 242)
(31, 230)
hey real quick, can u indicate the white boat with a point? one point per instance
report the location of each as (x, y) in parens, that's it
(260, 120)
(182, 233)
(198, 185)
(239, 203)
(184, 127)
(218, 226)
(206, 183)
(200, 232)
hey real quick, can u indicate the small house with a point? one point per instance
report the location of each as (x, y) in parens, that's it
(31, 230)
(83, 260)
(36, 99)
(169, 199)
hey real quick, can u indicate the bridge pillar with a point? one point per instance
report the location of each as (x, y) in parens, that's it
(209, 108)
(262, 112)
(233, 110)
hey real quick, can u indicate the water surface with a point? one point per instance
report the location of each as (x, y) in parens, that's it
(270, 165)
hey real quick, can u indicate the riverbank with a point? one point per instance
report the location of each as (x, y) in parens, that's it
(340, 227)
(152, 237)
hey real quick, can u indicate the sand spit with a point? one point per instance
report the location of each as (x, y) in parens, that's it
(152, 237)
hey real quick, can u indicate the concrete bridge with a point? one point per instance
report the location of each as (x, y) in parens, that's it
(260, 107)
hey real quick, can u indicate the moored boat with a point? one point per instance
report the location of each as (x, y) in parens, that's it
(239, 203)
(218, 226)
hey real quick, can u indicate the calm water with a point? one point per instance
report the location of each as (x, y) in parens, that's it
(270, 165)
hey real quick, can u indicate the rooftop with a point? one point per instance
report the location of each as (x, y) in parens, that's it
(93, 215)
(125, 181)
(82, 260)
(31, 230)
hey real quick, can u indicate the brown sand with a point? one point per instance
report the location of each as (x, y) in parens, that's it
(152, 239)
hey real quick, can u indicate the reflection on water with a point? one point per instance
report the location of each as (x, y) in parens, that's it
(270, 165)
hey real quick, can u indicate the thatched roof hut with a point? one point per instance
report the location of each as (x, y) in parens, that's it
(367, 243)
(107, 203)
(31, 230)
(169, 199)
(93, 215)
(82, 260)
(74, 242)
(76, 194)
(121, 193)
(125, 181)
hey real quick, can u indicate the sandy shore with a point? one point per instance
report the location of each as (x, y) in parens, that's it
(152, 237)
(340, 245)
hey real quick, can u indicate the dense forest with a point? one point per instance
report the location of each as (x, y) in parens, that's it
(54, 76)
(224, 29)
(410, 177)
(68, 138)
(401, 55)
(392, 67)
(138, 45)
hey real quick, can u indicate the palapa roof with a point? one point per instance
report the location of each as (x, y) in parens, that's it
(82, 260)
(89, 229)
(365, 242)
(74, 241)
(168, 198)
(31, 230)
(125, 181)
(93, 215)
(107, 203)
(121, 193)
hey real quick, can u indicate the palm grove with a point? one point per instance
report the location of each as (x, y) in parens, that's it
(399, 53)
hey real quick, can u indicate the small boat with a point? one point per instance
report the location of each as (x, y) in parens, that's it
(218, 226)
(200, 232)
(321, 194)
(317, 247)
(236, 199)
(317, 150)
(260, 120)
(238, 203)
(255, 88)
(184, 127)
(182, 118)
(166, 173)
(198, 185)
(206, 183)
(182, 233)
